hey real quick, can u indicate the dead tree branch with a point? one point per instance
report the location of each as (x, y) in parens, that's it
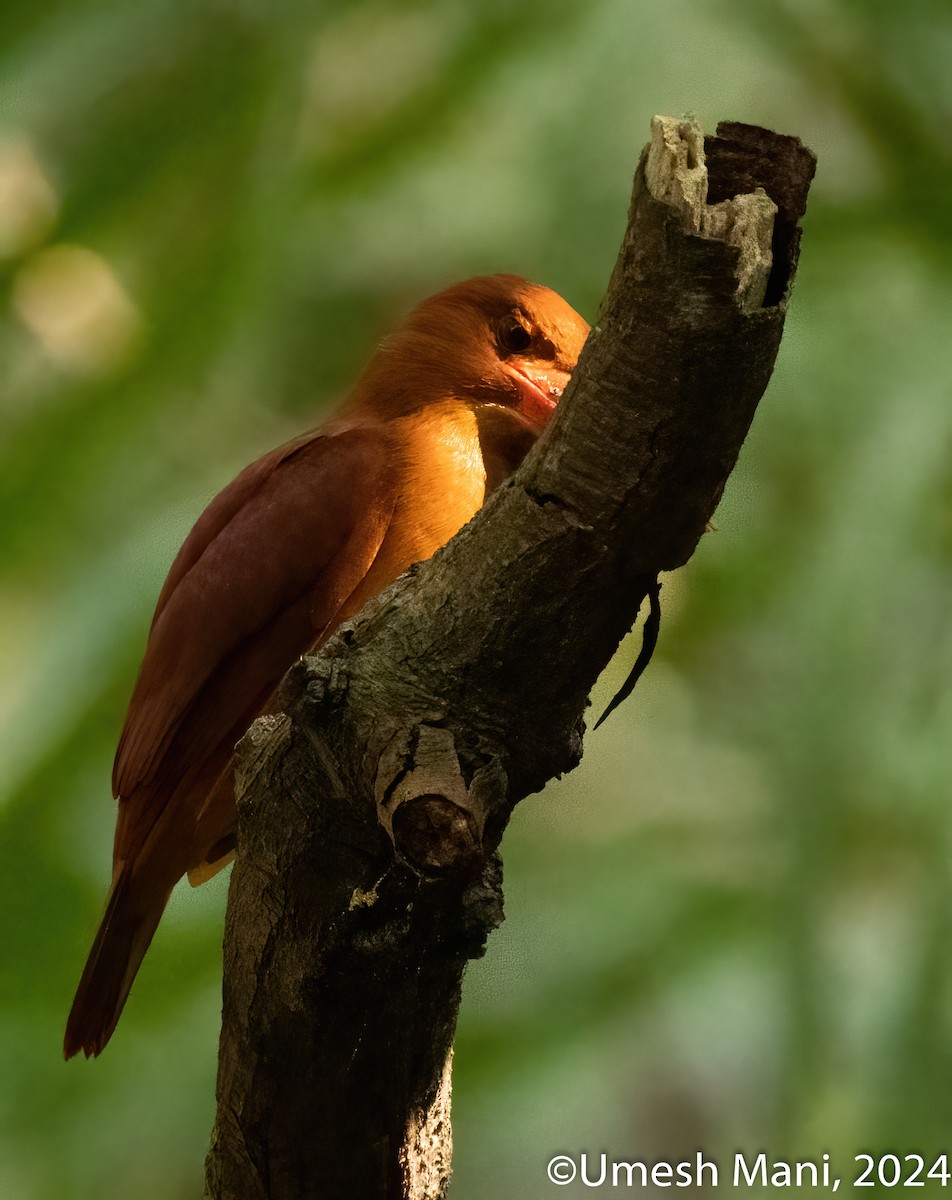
(371, 807)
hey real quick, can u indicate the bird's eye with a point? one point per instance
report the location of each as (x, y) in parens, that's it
(513, 336)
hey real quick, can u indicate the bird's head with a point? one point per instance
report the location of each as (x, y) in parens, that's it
(503, 345)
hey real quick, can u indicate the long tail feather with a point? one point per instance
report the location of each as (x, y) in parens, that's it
(132, 915)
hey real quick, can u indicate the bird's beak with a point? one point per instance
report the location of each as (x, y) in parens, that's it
(539, 389)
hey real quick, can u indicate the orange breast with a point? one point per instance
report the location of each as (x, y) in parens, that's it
(442, 484)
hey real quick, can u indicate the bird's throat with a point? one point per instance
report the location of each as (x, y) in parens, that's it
(504, 440)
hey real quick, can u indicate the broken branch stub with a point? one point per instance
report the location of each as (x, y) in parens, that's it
(622, 486)
(436, 820)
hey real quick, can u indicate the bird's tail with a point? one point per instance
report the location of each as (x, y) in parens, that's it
(132, 915)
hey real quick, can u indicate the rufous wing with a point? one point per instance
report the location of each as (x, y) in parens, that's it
(266, 568)
(261, 578)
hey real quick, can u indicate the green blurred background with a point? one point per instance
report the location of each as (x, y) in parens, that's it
(730, 926)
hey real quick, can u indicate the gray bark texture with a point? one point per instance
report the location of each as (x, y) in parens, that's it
(372, 805)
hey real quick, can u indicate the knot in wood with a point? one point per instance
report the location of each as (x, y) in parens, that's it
(435, 836)
(436, 820)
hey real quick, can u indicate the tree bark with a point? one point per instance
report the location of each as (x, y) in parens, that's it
(372, 805)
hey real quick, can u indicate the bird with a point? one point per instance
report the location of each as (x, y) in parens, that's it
(445, 410)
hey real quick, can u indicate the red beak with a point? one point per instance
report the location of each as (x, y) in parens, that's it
(539, 391)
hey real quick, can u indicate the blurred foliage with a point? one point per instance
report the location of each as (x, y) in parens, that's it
(730, 926)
